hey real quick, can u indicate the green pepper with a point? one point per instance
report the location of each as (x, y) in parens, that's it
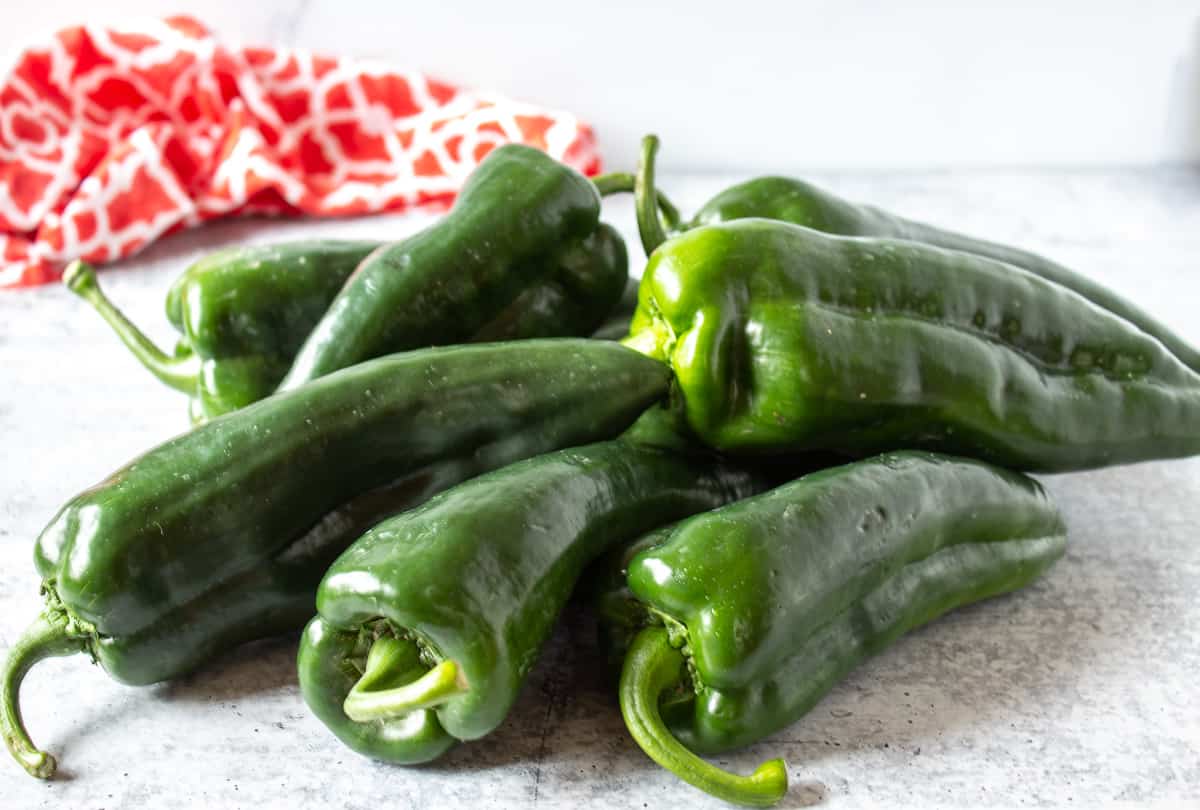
(245, 312)
(783, 338)
(801, 203)
(242, 314)
(520, 215)
(616, 325)
(223, 533)
(739, 620)
(430, 622)
(586, 285)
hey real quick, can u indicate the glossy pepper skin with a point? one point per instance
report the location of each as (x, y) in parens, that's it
(784, 338)
(245, 312)
(736, 622)
(517, 215)
(429, 623)
(588, 281)
(801, 203)
(260, 299)
(222, 534)
(242, 314)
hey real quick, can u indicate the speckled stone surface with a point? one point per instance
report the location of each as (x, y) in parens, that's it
(1083, 691)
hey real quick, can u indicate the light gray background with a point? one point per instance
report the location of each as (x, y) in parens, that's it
(1080, 692)
(779, 85)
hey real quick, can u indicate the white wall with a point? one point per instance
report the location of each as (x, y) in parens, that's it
(782, 85)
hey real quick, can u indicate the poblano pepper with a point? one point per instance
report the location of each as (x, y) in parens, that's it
(245, 312)
(520, 216)
(242, 314)
(616, 325)
(428, 625)
(222, 534)
(734, 623)
(584, 288)
(801, 203)
(783, 338)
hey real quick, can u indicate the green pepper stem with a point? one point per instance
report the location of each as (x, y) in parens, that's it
(42, 639)
(650, 227)
(391, 659)
(613, 183)
(624, 182)
(179, 372)
(651, 667)
(646, 342)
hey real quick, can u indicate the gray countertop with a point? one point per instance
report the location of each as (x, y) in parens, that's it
(1081, 691)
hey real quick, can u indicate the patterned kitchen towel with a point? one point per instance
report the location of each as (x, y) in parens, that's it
(112, 137)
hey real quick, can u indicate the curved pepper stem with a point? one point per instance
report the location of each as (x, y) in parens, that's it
(650, 227)
(44, 638)
(393, 660)
(652, 666)
(619, 182)
(181, 372)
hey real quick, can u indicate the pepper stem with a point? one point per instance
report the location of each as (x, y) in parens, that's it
(393, 660)
(181, 372)
(652, 666)
(624, 182)
(650, 227)
(647, 342)
(42, 639)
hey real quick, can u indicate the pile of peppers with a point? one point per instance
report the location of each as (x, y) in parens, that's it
(803, 433)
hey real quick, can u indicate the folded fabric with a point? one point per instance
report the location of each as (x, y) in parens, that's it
(112, 137)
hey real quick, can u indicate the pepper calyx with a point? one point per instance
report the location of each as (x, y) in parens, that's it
(654, 667)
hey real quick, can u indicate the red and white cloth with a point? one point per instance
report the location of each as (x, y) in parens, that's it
(112, 137)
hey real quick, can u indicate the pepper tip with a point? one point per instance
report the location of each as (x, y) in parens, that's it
(772, 778)
(39, 764)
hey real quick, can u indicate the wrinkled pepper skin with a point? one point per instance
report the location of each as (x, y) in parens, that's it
(587, 283)
(242, 314)
(274, 597)
(222, 534)
(914, 596)
(509, 227)
(756, 609)
(783, 338)
(801, 203)
(471, 583)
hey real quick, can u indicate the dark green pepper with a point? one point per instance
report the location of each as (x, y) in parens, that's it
(222, 534)
(428, 625)
(242, 314)
(587, 283)
(616, 326)
(245, 312)
(783, 338)
(739, 620)
(520, 215)
(801, 203)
